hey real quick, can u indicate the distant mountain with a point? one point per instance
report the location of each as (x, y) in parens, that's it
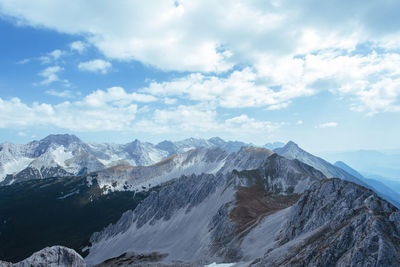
(370, 161)
(393, 184)
(196, 161)
(348, 169)
(66, 155)
(274, 145)
(55, 155)
(191, 143)
(292, 151)
(382, 189)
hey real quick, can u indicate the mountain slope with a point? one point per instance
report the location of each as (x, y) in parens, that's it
(285, 213)
(370, 161)
(292, 151)
(57, 211)
(337, 223)
(221, 207)
(68, 210)
(196, 161)
(382, 190)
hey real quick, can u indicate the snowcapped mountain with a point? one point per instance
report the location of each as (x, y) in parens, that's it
(195, 161)
(67, 155)
(55, 155)
(191, 143)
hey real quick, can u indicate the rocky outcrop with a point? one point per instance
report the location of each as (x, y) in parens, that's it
(337, 223)
(56, 256)
(292, 151)
(204, 218)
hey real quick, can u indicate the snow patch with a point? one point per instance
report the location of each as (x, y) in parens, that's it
(14, 166)
(214, 264)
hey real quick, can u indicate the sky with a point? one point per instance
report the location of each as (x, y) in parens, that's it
(325, 74)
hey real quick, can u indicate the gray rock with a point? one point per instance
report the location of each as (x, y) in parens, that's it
(52, 257)
(338, 223)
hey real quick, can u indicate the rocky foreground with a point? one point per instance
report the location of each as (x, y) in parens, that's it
(50, 257)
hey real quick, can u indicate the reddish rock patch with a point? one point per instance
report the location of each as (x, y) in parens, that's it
(253, 203)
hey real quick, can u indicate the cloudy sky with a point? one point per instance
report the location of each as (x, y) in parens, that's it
(325, 74)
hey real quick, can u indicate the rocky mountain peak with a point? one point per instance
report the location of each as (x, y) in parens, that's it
(61, 139)
(216, 140)
(54, 140)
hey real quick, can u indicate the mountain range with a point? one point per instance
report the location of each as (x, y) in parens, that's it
(370, 162)
(66, 155)
(191, 203)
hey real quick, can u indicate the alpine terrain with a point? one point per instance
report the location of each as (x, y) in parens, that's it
(190, 203)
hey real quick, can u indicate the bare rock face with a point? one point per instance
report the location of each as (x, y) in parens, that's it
(204, 218)
(338, 223)
(51, 257)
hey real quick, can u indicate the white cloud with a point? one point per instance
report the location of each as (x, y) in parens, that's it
(370, 81)
(116, 110)
(328, 125)
(97, 65)
(116, 95)
(62, 94)
(176, 36)
(239, 89)
(202, 119)
(24, 61)
(110, 110)
(56, 54)
(299, 122)
(290, 48)
(21, 134)
(52, 56)
(50, 75)
(78, 46)
(170, 101)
